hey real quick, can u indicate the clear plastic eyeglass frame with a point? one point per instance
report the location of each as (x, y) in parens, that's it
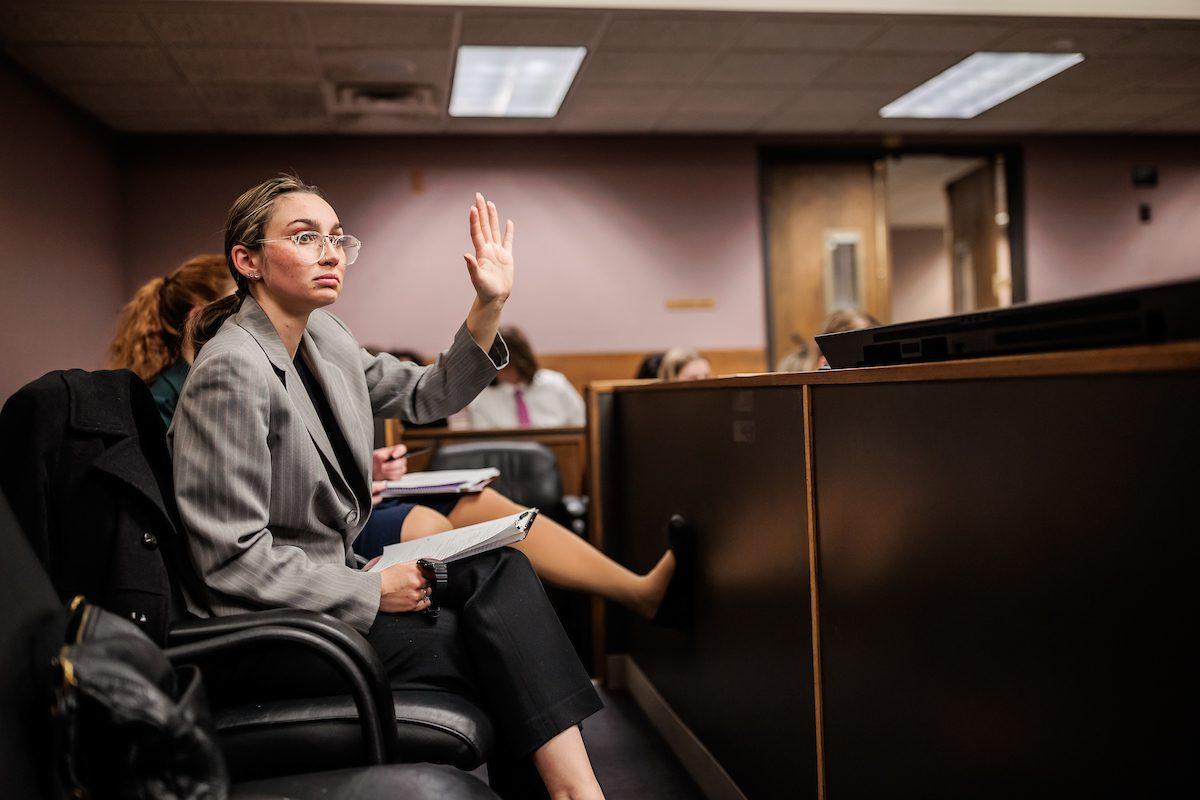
(306, 241)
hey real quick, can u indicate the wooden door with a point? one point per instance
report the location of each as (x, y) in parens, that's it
(826, 246)
(974, 241)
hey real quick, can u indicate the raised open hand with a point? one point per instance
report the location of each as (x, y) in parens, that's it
(491, 267)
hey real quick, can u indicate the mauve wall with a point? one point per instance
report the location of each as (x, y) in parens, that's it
(1082, 214)
(60, 202)
(920, 274)
(607, 231)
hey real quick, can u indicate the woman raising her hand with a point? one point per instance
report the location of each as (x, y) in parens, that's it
(271, 447)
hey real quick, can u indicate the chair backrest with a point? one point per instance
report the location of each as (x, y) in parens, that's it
(528, 470)
(32, 623)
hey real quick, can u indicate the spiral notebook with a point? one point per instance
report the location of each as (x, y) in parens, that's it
(460, 542)
(441, 481)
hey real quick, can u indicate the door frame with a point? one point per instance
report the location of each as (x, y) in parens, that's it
(1014, 173)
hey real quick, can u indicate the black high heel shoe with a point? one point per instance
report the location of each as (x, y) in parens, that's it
(675, 610)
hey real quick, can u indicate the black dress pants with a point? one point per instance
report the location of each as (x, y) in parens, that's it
(497, 641)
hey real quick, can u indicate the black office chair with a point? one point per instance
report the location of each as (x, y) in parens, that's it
(361, 722)
(31, 629)
(529, 476)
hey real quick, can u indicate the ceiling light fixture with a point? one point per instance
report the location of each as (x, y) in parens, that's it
(977, 83)
(513, 81)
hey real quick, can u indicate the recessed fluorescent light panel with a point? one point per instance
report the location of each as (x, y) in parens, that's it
(513, 81)
(977, 83)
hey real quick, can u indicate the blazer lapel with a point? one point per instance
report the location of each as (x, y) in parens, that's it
(255, 321)
(333, 383)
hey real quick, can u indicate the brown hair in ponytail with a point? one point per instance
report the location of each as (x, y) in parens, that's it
(245, 225)
(150, 327)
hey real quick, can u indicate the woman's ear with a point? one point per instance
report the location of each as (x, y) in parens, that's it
(244, 261)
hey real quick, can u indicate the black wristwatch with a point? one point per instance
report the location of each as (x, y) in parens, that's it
(438, 576)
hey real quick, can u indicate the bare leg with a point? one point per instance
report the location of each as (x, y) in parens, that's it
(565, 768)
(563, 559)
(421, 522)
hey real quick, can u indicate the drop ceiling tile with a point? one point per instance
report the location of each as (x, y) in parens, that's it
(530, 29)
(271, 26)
(861, 102)
(682, 31)
(282, 101)
(1173, 38)
(877, 124)
(612, 123)
(1184, 122)
(1110, 74)
(125, 100)
(387, 124)
(246, 64)
(96, 63)
(714, 101)
(766, 67)
(811, 122)
(1185, 77)
(701, 123)
(1066, 37)
(271, 124)
(804, 34)
(600, 101)
(1092, 123)
(73, 25)
(408, 64)
(1141, 104)
(902, 72)
(380, 28)
(939, 37)
(160, 123)
(499, 126)
(645, 67)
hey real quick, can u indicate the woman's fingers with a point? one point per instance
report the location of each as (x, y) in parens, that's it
(482, 210)
(508, 235)
(494, 221)
(477, 238)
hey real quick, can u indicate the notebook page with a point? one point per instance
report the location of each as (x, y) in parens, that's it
(451, 544)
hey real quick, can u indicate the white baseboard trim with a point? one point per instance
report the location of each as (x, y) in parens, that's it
(710, 776)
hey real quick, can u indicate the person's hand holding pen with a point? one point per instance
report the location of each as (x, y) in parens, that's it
(387, 464)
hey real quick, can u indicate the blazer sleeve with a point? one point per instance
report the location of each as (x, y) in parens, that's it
(422, 394)
(222, 468)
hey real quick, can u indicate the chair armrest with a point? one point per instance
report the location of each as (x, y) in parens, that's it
(338, 643)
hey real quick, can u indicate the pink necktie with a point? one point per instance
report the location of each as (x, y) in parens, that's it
(522, 409)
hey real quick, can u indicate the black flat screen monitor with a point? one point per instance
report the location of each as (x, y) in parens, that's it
(1146, 315)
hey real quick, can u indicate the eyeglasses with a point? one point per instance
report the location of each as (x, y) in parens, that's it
(311, 246)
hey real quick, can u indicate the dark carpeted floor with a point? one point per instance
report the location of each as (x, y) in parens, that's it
(631, 761)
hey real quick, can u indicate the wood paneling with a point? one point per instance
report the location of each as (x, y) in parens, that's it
(584, 368)
(974, 237)
(732, 463)
(568, 444)
(995, 556)
(1005, 600)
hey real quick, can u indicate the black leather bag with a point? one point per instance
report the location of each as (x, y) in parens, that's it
(126, 723)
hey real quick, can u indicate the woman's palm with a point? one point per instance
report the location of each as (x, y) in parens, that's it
(491, 267)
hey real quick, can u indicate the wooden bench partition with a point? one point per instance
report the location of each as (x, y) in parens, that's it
(568, 444)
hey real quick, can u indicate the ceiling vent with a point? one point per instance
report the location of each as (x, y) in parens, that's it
(379, 99)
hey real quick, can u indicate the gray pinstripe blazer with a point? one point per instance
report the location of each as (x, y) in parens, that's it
(269, 515)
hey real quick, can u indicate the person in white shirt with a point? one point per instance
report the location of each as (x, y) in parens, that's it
(524, 395)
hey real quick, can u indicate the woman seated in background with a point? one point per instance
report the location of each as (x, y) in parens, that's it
(150, 337)
(151, 341)
(842, 319)
(524, 395)
(684, 364)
